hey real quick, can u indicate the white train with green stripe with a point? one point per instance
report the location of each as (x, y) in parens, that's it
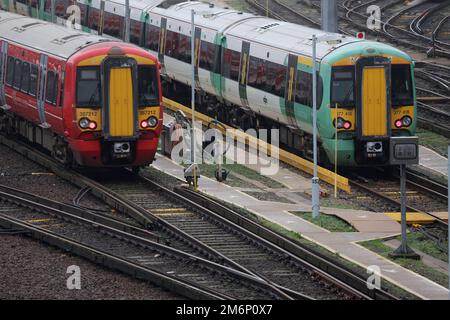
(256, 72)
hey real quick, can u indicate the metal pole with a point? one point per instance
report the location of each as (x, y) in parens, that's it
(193, 62)
(126, 36)
(329, 15)
(403, 205)
(315, 180)
(335, 152)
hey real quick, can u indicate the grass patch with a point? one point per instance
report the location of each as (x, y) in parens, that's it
(433, 141)
(329, 222)
(417, 266)
(418, 241)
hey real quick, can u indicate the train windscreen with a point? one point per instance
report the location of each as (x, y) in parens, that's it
(343, 87)
(402, 92)
(88, 87)
(148, 86)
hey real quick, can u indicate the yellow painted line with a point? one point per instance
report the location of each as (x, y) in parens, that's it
(167, 209)
(174, 214)
(411, 217)
(37, 220)
(286, 157)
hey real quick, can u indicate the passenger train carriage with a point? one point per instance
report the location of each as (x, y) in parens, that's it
(254, 71)
(90, 100)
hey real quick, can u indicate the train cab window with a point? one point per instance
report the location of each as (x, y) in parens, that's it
(152, 37)
(343, 87)
(33, 80)
(17, 74)
(10, 71)
(148, 86)
(88, 87)
(402, 93)
(25, 82)
(51, 89)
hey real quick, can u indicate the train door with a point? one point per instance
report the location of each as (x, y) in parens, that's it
(41, 90)
(3, 57)
(243, 73)
(120, 92)
(162, 44)
(289, 100)
(373, 109)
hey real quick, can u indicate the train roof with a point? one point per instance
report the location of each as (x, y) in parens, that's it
(267, 31)
(47, 37)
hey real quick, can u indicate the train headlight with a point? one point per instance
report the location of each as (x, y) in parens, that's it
(84, 123)
(152, 122)
(406, 121)
(340, 123)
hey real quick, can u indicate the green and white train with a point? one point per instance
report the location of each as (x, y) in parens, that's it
(253, 72)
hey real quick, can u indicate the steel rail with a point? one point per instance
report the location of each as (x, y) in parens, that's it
(53, 208)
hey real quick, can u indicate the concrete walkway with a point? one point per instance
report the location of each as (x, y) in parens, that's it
(432, 160)
(371, 226)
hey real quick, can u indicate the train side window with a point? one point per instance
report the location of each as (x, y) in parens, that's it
(33, 80)
(185, 48)
(232, 62)
(17, 73)
(207, 55)
(48, 6)
(94, 17)
(50, 94)
(152, 35)
(113, 25)
(61, 90)
(402, 93)
(25, 82)
(147, 86)
(252, 71)
(10, 71)
(343, 87)
(135, 32)
(61, 7)
(175, 50)
(276, 79)
(88, 87)
(303, 90)
(168, 47)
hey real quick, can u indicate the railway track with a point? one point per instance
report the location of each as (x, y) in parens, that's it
(119, 246)
(424, 195)
(206, 234)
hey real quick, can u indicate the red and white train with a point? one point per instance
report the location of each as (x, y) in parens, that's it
(90, 100)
